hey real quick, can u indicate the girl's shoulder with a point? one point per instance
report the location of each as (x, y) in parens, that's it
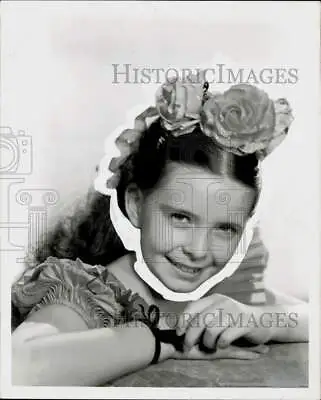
(93, 291)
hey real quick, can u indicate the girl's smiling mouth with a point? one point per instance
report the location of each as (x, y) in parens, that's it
(184, 269)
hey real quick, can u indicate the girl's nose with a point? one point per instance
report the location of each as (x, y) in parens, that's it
(197, 246)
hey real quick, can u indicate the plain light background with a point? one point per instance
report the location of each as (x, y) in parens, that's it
(57, 86)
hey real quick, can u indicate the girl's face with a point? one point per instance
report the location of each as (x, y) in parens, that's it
(191, 224)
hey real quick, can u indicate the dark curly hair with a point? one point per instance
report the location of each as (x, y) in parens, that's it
(89, 234)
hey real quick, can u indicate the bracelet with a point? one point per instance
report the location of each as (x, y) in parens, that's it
(157, 349)
(161, 335)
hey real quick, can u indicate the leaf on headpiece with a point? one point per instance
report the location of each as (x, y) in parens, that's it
(117, 162)
(113, 181)
(127, 137)
(145, 119)
(128, 142)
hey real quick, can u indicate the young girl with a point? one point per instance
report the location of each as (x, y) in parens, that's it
(166, 260)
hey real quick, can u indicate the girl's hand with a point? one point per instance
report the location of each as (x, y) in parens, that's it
(167, 351)
(217, 321)
(231, 352)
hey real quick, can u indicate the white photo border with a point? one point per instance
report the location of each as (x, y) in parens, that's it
(306, 10)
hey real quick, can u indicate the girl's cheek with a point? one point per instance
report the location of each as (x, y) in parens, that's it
(165, 237)
(223, 248)
(182, 237)
(171, 238)
(157, 233)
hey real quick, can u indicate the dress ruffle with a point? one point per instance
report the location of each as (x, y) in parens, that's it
(92, 291)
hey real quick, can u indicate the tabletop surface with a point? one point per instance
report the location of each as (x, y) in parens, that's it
(285, 365)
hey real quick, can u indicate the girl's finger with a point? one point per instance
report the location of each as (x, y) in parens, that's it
(189, 313)
(205, 326)
(241, 354)
(194, 308)
(223, 333)
(208, 330)
(193, 332)
(230, 334)
(211, 337)
(229, 353)
(261, 348)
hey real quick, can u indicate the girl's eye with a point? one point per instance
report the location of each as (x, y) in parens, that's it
(227, 228)
(180, 218)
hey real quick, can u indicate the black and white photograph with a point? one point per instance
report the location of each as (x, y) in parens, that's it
(160, 199)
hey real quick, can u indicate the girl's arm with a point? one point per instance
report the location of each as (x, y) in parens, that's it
(54, 347)
(290, 317)
(290, 322)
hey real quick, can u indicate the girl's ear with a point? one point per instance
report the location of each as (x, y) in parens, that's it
(133, 204)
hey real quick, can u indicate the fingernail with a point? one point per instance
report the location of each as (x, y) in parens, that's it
(179, 332)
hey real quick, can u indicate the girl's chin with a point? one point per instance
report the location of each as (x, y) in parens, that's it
(182, 285)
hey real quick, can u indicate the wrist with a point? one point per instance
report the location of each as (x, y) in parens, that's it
(276, 320)
(161, 350)
(291, 323)
(279, 327)
(264, 323)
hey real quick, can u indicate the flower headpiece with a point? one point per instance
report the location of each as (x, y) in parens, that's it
(242, 120)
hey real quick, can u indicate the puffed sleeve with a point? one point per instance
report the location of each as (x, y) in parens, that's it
(92, 291)
(247, 283)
